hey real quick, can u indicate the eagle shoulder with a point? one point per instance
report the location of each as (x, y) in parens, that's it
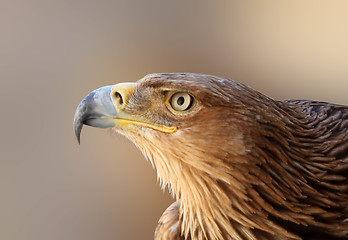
(168, 227)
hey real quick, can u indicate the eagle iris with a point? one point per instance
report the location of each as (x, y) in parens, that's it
(181, 101)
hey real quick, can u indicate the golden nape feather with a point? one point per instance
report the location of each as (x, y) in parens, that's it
(240, 165)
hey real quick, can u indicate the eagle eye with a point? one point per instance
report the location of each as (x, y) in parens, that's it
(181, 101)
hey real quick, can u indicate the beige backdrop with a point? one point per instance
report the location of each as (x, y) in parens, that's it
(52, 53)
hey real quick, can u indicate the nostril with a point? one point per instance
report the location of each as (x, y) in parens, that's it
(118, 97)
(120, 94)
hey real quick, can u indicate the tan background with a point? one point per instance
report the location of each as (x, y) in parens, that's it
(52, 53)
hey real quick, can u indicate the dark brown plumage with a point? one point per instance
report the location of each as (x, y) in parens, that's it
(241, 165)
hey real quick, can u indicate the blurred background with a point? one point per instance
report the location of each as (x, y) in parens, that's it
(52, 53)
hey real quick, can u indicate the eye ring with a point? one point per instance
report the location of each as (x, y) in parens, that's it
(181, 101)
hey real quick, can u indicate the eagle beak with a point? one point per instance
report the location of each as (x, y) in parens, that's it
(101, 107)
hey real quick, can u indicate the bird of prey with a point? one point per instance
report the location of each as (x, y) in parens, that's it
(240, 165)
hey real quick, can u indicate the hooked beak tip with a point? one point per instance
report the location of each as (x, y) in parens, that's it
(96, 104)
(78, 127)
(78, 138)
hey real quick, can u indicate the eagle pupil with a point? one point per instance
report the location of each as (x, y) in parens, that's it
(181, 101)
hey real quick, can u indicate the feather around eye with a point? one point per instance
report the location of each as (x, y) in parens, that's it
(181, 101)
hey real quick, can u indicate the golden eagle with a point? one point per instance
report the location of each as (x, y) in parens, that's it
(240, 165)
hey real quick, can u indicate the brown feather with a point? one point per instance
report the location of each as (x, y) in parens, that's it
(168, 227)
